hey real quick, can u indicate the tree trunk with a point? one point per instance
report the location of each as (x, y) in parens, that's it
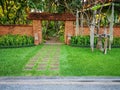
(81, 24)
(111, 26)
(92, 27)
(77, 22)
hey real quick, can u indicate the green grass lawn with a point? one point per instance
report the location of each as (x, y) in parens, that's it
(74, 61)
(82, 62)
(13, 60)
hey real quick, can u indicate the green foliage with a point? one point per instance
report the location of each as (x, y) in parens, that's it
(61, 38)
(35, 4)
(96, 7)
(75, 4)
(85, 41)
(53, 29)
(16, 40)
(116, 41)
(80, 40)
(13, 12)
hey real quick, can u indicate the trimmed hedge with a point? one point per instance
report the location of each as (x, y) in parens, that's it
(16, 40)
(84, 41)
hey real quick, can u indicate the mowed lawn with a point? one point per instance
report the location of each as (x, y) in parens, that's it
(83, 62)
(13, 60)
(74, 61)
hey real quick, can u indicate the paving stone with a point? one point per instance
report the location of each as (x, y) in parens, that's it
(33, 61)
(44, 59)
(44, 62)
(41, 68)
(28, 68)
(46, 56)
(55, 64)
(30, 65)
(35, 58)
(55, 60)
(42, 65)
(54, 68)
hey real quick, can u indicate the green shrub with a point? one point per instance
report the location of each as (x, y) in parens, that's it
(80, 40)
(116, 41)
(85, 41)
(61, 38)
(16, 40)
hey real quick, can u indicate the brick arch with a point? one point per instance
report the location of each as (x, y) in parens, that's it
(37, 26)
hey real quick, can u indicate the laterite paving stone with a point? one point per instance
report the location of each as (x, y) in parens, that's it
(46, 59)
(28, 68)
(41, 69)
(54, 68)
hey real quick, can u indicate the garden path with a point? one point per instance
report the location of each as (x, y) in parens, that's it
(47, 59)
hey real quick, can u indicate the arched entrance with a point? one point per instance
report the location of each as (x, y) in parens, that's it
(37, 26)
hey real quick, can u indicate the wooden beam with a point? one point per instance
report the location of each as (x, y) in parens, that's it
(52, 16)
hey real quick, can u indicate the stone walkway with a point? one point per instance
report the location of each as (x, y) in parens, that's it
(46, 59)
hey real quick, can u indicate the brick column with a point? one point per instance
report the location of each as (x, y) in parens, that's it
(69, 31)
(37, 32)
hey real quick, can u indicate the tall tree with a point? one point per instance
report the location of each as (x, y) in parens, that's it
(13, 12)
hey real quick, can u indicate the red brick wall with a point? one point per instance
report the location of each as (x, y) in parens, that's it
(69, 31)
(16, 29)
(37, 30)
(116, 32)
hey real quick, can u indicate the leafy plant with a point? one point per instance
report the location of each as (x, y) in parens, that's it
(16, 40)
(85, 41)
